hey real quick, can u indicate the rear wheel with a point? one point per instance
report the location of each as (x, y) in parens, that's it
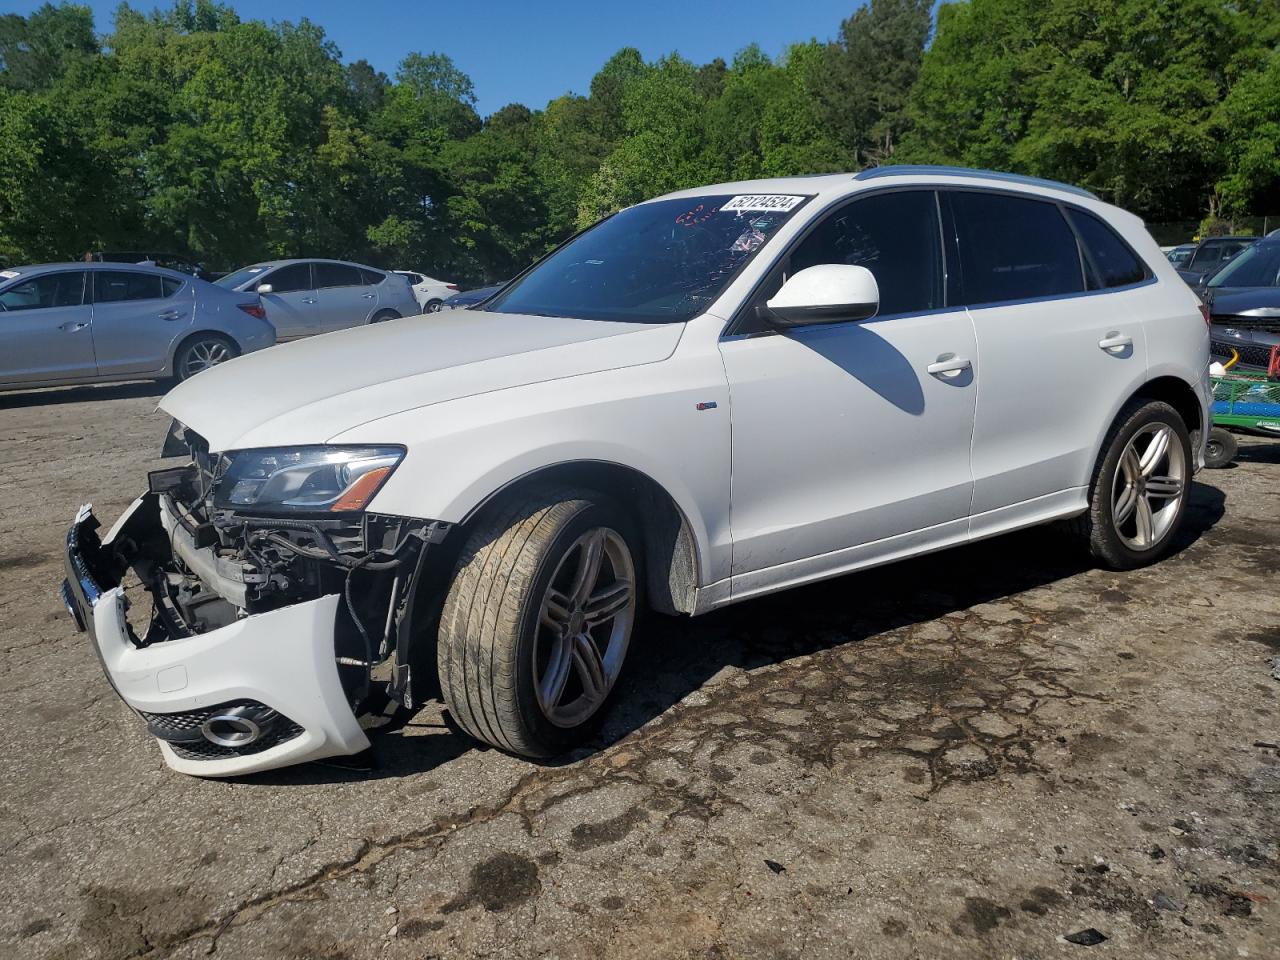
(201, 352)
(537, 621)
(382, 315)
(1139, 491)
(432, 306)
(1219, 449)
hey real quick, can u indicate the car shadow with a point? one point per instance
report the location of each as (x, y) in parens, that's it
(88, 393)
(676, 656)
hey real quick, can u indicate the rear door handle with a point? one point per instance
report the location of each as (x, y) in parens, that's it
(368, 296)
(309, 300)
(1115, 341)
(73, 326)
(948, 366)
(170, 315)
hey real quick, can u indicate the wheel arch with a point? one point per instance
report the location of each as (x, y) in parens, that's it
(180, 342)
(1170, 389)
(671, 550)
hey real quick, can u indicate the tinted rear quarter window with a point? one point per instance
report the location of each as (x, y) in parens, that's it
(116, 286)
(336, 275)
(1111, 263)
(372, 277)
(1013, 248)
(170, 286)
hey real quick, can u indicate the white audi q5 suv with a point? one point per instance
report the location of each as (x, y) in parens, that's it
(706, 397)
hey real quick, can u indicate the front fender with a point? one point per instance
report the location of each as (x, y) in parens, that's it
(644, 418)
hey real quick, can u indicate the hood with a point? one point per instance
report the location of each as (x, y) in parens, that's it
(1233, 303)
(312, 390)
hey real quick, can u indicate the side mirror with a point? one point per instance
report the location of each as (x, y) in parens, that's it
(264, 288)
(827, 293)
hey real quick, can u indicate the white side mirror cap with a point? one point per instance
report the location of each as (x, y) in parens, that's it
(827, 293)
(264, 288)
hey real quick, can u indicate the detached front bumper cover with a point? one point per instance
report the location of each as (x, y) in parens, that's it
(260, 693)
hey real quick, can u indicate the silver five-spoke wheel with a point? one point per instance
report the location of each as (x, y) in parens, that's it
(1149, 484)
(584, 626)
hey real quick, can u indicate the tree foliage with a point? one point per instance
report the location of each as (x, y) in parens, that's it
(230, 139)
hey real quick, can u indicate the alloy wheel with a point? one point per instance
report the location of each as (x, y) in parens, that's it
(1149, 484)
(202, 355)
(584, 627)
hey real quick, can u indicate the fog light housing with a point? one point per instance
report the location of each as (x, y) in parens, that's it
(233, 729)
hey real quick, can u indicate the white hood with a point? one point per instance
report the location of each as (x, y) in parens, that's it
(309, 391)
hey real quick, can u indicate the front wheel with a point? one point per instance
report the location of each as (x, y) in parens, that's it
(1139, 491)
(537, 621)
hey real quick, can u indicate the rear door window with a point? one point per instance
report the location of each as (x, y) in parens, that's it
(290, 279)
(64, 289)
(1013, 248)
(1111, 263)
(336, 275)
(118, 286)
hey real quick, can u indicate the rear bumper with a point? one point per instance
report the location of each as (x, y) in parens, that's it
(276, 668)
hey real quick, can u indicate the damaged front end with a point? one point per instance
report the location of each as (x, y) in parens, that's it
(280, 610)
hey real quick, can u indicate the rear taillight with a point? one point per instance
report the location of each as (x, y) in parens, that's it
(254, 310)
(451, 286)
(1204, 312)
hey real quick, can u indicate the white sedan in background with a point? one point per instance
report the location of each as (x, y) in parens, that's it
(429, 293)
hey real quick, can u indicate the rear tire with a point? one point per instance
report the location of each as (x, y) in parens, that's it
(535, 627)
(383, 315)
(432, 306)
(1220, 449)
(1138, 493)
(200, 352)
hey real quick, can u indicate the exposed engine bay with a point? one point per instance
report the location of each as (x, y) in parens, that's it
(206, 566)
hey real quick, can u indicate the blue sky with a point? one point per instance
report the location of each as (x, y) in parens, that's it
(535, 50)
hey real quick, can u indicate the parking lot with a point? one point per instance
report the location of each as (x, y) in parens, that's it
(980, 753)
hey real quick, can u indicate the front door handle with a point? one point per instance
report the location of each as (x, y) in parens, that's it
(948, 366)
(1115, 341)
(170, 315)
(73, 326)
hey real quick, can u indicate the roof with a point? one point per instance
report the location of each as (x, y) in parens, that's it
(35, 268)
(839, 183)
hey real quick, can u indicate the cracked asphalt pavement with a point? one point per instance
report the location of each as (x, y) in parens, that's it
(996, 751)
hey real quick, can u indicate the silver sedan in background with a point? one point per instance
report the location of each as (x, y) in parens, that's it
(304, 297)
(67, 323)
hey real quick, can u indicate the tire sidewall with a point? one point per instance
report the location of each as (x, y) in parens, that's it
(1153, 412)
(595, 512)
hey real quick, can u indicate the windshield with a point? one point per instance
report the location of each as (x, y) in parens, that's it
(243, 275)
(659, 262)
(1259, 266)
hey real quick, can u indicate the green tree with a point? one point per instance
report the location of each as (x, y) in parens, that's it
(35, 51)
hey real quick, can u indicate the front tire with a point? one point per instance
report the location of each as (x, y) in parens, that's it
(1138, 494)
(537, 621)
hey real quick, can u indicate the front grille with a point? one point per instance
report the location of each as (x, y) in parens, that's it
(182, 731)
(1251, 354)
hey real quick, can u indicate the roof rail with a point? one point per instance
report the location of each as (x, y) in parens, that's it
(910, 169)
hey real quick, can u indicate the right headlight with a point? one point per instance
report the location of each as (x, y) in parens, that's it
(323, 479)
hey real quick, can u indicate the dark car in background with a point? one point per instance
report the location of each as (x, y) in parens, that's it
(1244, 306)
(1209, 256)
(170, 261)
(1180, 254)
(469, 298)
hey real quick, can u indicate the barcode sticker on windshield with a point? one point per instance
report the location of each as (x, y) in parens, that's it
(762, 201)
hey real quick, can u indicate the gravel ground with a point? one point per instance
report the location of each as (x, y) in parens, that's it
(985, 753)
